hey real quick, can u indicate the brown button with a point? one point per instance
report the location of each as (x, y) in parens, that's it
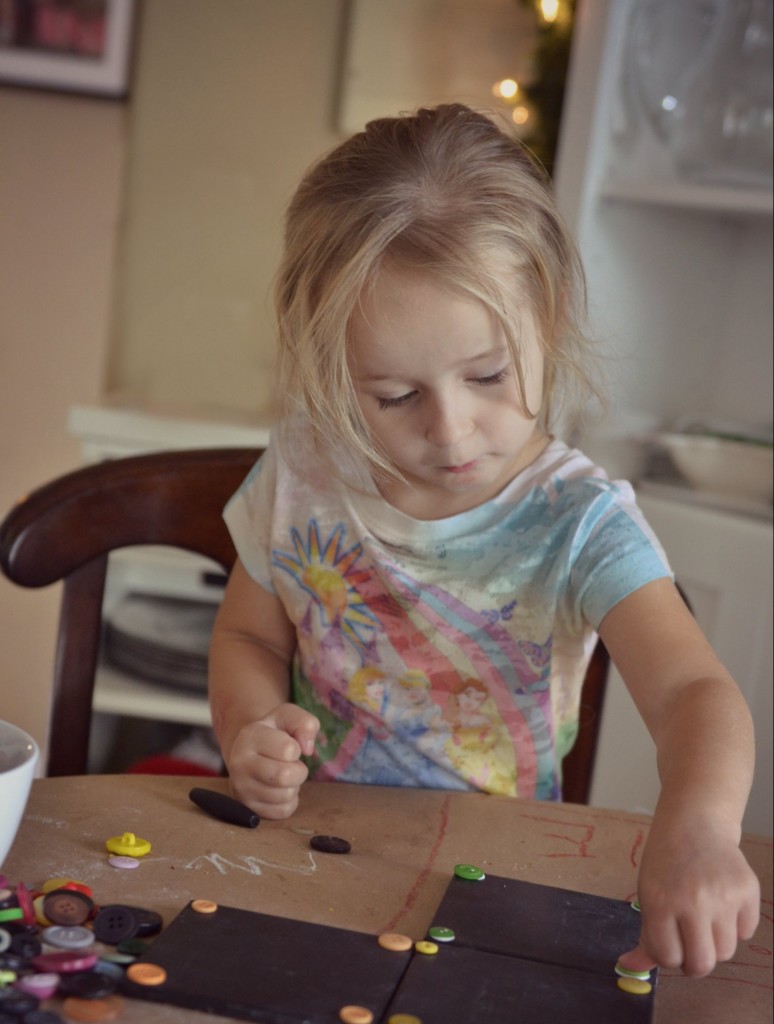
(67, 906)
(204, 906)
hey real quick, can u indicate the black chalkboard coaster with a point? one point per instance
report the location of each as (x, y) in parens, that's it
(462, 986)
(258, 967)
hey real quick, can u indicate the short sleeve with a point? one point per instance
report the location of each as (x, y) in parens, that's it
(617, 553)
(248, 516)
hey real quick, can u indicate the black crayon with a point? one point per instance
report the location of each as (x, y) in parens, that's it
(223, 807)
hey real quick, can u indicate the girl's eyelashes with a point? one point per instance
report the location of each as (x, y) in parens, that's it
(394, 403)
(494, 378)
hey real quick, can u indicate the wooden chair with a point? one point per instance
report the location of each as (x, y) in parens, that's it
(66, 530)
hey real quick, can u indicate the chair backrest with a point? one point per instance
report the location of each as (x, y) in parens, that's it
(66, 530)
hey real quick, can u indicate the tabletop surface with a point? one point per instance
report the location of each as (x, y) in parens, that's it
(405, 844)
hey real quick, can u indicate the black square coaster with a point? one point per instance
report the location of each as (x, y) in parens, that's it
(270, 969)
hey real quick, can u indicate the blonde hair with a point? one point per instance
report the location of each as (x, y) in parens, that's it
(441, 191)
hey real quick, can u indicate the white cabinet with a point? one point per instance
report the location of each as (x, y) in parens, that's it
(679, 277)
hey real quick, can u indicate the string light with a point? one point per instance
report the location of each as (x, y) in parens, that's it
(550, 10)
(507, 89)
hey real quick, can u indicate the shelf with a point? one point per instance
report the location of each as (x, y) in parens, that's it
(117, 693)
(688, 196)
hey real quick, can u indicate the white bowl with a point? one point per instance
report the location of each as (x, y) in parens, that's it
(18, 757)
(720, 466)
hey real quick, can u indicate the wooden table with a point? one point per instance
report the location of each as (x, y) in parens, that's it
(405, 844)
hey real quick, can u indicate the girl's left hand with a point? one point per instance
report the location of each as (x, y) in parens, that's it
(698, 897)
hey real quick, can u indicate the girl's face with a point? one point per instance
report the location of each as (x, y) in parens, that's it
(435, 384)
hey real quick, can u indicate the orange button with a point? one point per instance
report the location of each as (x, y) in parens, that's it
(146, 974)
(355, 1015)
(93, 1010)
(204, 906)
(394, 941)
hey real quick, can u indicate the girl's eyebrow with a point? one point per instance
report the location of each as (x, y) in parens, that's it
(373, 378)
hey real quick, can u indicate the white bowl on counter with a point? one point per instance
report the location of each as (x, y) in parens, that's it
(717, 465)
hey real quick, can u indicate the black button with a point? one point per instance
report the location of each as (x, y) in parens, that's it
(86, 985)
(114, 923)
(330, 844)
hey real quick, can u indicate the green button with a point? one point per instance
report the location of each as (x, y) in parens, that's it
(635, 904)
(11, 913)
(441, 934)
(469, 871)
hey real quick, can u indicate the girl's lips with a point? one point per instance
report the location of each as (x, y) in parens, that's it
(464, 468)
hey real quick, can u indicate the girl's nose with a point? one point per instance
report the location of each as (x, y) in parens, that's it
(448, 421)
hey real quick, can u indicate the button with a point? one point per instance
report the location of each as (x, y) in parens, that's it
(68, 936)
(24, 899)
(127, 863)
(133, 947)
(5, 939)
(64, 961)
(441, 934)
(87, 985)
(25, 944)
(41, 985)
(635, 986)
(11, 914)
(403, 1018)
(16, 1003)
(67, 883)
(470, 872)
(146, 974)
(128, 845)
(425, 947)
(330, 844)
(395, 942)
(114, 923)
(67, 906)
(40, 917)
(204, 906)
(7, 978)
(622, 971)
(93, 1010)
(635, 904)
(355, 1015)
(149, 921)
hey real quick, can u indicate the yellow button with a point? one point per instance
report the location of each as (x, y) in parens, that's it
(395, 942)
(204, 906)
(146, 974)
(426, 947)
(403, 1018)
(128, 845)
(355, 1015)
(635, 986)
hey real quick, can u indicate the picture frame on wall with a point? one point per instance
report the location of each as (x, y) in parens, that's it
(80, 46)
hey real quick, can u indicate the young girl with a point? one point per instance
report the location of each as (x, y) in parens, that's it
(414, 514)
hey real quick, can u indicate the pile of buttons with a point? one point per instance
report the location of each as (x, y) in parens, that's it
(58, 941)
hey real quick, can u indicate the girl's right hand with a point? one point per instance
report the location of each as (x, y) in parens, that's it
(264, 764)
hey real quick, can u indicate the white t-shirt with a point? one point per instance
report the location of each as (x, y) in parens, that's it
(449, 653)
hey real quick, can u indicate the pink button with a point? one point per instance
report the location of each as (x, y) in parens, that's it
(64, 962)
(41, 985)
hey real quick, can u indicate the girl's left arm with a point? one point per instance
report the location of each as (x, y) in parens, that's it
(697, 892)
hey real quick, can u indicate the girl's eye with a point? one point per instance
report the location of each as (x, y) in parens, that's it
(394, 403)
(495, 378)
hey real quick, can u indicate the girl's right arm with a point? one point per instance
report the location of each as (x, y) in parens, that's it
(261, 735)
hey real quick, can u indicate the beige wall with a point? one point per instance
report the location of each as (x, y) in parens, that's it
(61, 166)
(230, 102)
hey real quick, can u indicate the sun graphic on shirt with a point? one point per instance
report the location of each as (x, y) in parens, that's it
(328, 573)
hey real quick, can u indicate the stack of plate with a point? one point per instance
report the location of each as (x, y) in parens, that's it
(162, 639)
